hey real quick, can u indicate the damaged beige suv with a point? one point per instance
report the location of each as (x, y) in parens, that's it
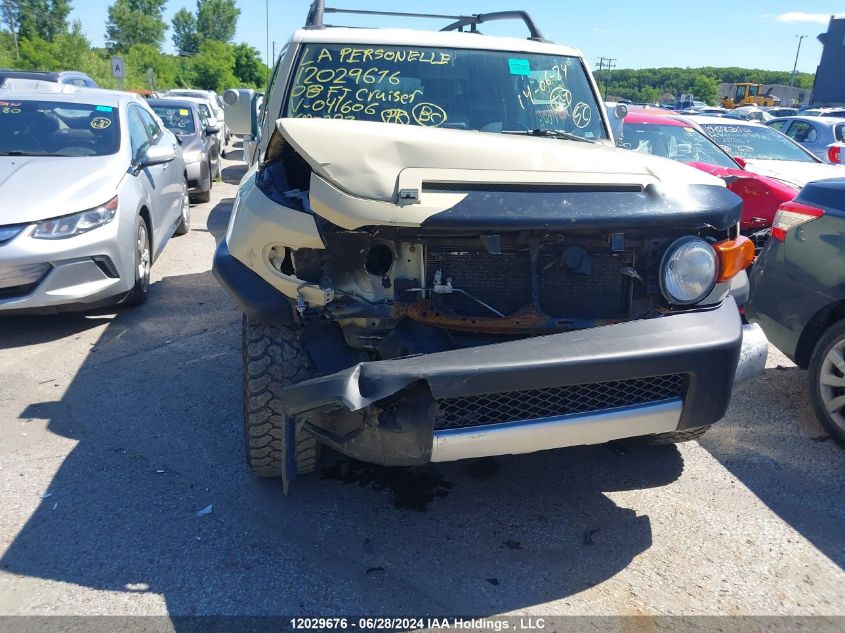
(440, 254)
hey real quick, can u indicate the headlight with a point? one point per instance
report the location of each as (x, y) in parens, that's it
(76, 223)
(192, 156)
(688, 271)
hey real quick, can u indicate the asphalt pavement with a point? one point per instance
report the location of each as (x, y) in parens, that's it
(124, 491)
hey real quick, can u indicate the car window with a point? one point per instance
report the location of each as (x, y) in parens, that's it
(206, 111)
(177, 119)
(839, 133)
(138, 135)
(490, 91)
(153, 128)
(803, 132)
(756, 141)
(683, 144)
(779, 125)
(55, 128)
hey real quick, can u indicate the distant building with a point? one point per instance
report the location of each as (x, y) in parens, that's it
(784, 95)
(829, 88)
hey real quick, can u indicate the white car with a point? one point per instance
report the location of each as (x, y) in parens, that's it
(214, 119)
(767, 152)
(94, 189)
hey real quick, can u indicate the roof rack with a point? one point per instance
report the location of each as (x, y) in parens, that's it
(459, 22)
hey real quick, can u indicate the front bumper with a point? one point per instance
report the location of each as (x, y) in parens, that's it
(198, 180)
(80, 272)
(385, 411)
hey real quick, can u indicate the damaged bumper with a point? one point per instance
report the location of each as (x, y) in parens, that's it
(583, 387)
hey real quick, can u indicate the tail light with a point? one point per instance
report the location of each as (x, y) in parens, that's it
(734, 256)
(790, 215)
(834, 154)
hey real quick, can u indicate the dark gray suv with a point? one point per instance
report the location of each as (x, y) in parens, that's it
(798, 294)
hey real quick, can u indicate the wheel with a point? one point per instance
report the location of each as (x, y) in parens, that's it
(143, 263)
(185, 222)
(273, 357)
(205, 196)
(827, 381)
(675, 437)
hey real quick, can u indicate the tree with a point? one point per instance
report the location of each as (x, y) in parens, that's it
(135, 22)
(249, 69)
(185, 36)
(706, 89)
(42, 18)
(214, 66)
(10, 13)
(217, 19)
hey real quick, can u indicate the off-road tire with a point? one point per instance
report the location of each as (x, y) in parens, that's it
(273, 358)
(831, 339)
(676, 437)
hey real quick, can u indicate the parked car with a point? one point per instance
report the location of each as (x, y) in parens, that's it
(767, 152)
(198, 138)
(749, 113)
(98, 189)
(458, 268)
(798, 294)
(823, 136)
(215, 103)
(678, 138)
(838, 113)
(64, 77)
(779, 111)
(214, 119)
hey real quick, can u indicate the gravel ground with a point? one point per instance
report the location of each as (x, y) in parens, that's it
(131, 422)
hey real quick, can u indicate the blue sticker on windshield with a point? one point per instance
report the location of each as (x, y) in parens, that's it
(103, 109)
(519, 66)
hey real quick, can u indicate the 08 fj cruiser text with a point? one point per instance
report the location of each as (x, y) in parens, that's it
(440, 254)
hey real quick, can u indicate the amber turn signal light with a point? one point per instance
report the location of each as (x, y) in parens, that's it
(734, 256)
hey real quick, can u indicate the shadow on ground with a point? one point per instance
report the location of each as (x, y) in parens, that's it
(156, 412)
(787, 460)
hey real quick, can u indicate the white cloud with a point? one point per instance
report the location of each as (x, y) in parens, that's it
(799, 16)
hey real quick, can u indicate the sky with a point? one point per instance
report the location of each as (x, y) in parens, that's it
(637, 33)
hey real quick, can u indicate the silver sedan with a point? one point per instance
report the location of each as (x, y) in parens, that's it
(823, 136)
(94, 188)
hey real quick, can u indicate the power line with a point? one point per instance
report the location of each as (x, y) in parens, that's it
(608, 64)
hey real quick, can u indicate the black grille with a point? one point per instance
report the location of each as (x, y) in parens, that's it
(501, 281)
(603, 294)
(534, 404)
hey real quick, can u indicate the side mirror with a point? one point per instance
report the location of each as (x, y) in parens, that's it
(157, 154)
(740, 161)
(620, 111)
(240, 114)
(211, 129)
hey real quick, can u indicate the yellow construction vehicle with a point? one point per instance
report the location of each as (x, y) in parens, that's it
(748, 94)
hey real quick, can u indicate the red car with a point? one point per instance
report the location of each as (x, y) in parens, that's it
(678, 139)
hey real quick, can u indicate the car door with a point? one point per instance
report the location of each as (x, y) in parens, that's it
(806, 134)
(154, 179)
(211, 142)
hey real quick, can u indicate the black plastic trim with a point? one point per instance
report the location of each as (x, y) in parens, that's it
(690, 207)
(253, 295)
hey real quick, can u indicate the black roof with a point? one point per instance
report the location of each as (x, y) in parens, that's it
(41, 75)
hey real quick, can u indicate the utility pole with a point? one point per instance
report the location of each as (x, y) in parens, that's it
(608, 64)
(795, 67)
(267, 31)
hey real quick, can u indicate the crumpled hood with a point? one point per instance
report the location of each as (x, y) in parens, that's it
(39, 187)
(374, 160)
(793, 172)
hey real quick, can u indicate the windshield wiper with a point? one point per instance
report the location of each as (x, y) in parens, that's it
(17, 153)
(550, 134)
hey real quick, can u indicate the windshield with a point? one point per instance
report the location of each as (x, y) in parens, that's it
(52, 128)
(176, 119)
(684, 144)
(490, 91)
(756, 141)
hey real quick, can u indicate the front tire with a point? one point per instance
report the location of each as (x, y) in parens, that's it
(185, 221)
(143, 263)
(827, 381)
(273, 358)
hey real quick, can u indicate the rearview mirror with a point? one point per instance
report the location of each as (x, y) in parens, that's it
(740, 161)
(157, 154)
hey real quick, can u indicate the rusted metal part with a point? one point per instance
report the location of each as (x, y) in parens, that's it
(526, 320)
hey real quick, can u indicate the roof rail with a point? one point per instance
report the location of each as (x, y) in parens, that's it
(459, 22)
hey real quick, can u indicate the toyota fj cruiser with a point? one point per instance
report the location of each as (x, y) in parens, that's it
(440, 254)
